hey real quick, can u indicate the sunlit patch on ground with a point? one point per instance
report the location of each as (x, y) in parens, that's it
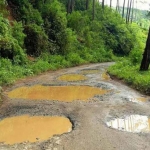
(89, 71)
(37, 128)
(132, 123)
(72, 77)
(60, 93)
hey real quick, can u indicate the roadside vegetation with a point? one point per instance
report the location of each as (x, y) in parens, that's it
(128, 68)
(37, 36)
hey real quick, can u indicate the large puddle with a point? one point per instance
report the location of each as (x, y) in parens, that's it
(37, 128)
(60, 93)
(72, 77)
(132, 123)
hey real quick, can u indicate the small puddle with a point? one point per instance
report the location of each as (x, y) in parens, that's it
(105, 76)
(72, 77)
(142, 99)
(132, 123)
(89, 71)
(37, 128)
(60, 93)
(137, 100)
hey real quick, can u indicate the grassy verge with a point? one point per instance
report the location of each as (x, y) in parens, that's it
(128, 72)
(10, 72)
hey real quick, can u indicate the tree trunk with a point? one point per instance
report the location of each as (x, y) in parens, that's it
(132, 12)
(110, 3)
(127, 11)
(93, 13)
(117, 6)
(87, 4)
(146, 55)
(123, 8)
(68, 6)
(72, 5)
(103, 3)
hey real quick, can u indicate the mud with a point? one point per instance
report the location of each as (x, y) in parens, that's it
(32, 128)
(72, 77)
(89, 118)
(60, 93)
(89, 71)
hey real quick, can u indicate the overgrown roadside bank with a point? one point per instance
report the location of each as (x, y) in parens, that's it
(130, 74)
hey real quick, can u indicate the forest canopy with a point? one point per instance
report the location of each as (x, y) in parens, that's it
(56, 34)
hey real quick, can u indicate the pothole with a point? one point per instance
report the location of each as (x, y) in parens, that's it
(32, 129)
(132, 123)
(105, 76)
(89, 71)
(60, 93)
(142, 99)
(134, 99)
(72, 77)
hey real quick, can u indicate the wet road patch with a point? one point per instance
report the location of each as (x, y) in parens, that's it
(72, 77)
(105, 76)
(60, 93)
(36, 128)
(132, 123)
(89, 71)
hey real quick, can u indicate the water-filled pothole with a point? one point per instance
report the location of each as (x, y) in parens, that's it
(89, 71)
(72, 77)
(60, 93)
(132, 123)
(105, 76)
(37, 128)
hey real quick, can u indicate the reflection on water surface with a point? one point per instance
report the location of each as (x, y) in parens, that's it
(132, 123)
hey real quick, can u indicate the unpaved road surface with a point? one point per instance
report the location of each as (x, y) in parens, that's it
(90, 131)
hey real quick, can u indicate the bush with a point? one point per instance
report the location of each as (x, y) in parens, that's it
(36, 41)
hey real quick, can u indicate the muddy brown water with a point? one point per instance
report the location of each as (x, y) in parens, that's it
(36, 128)
(72, 77)
(60, 93)
(105, 76)
(91, 105)
(89, 71)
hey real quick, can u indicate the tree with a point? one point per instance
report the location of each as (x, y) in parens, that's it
(123, 8)
(70, 6)
(146, 55)
(129, 14)
(129, 8)
(127, 11)
(103, 3)
(132, 11)
(117, 6)
(110, 3)
(93, 13)
(87, 4)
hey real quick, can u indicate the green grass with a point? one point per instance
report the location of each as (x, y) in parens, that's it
(10, 72)
(130, 73)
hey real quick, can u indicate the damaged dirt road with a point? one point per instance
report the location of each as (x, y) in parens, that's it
(92, 103)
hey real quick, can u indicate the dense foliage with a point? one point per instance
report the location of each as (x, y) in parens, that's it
(55, 39)
(127, 68)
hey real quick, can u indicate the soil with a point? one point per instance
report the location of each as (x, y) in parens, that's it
(89, 118)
